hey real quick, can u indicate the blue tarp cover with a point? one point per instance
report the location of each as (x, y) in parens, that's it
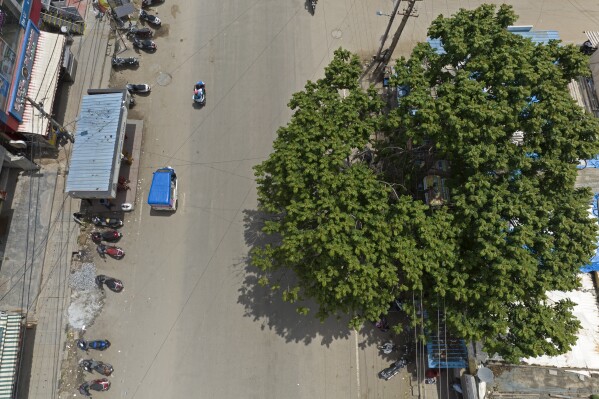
(160, 191)
(593, 265)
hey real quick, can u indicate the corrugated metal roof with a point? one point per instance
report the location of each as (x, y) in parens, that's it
(43, 83)
(582, 91)
(10, 335)
(537, 36)
(96, 142)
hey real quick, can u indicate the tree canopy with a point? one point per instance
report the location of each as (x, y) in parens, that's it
(344, 185)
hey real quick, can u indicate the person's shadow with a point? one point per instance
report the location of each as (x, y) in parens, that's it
(311, 6)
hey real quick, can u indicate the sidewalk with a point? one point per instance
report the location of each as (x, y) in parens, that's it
(45, 244)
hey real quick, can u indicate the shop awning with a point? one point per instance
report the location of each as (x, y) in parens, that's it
(10, 335)
(44, 81)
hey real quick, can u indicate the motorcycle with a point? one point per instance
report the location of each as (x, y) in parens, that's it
(382, 324)
(99, 344)
(79, 218)
(149, 18)
(138, 88)
(113, 284)
(144, 44)
(110, 236)
(199, 93)
(127, 61)
(392, 370)
(148, 3)
(313, 5)
(387, 348)
(145, 33)
(587, 48)
(110, 250)
(96, 385)
(91, 365)
(107, 222)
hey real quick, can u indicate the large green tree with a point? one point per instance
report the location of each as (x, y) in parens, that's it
(346, 203)
(497, 107)
(332, 215)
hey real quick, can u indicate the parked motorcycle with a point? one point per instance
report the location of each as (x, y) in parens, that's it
(392, 370)
(127, 61)
(79, 218)
(138, 88)
(145, 33)
(113, 284)
(588, 48)
(199, 93)
(91, 365)
(387, 348)
(144, 44)
(382, 324)
(110, 250)
(109, 235)
(114, 223)
(96, 385)
(313, 5)
(149, 18)
(99, 344)
(149, 3)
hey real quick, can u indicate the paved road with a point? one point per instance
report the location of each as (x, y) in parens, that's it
(191, 322)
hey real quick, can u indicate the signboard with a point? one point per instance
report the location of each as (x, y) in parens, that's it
(25, 10)
(23, 75)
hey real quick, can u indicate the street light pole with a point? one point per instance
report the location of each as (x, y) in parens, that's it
(392, 17)
(54, 124)
(404, 20)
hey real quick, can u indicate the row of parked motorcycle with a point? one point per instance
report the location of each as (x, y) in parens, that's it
(91, 365)
(140, 37)
(109, 235)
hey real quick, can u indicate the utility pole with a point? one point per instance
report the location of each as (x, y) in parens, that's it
(407, 14)
(391, 19)
(54, 124)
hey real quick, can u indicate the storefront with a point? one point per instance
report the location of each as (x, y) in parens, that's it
(18, 45)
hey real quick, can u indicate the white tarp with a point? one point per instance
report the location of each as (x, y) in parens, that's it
(584, 353)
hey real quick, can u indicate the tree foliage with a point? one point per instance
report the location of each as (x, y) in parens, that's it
(520, 226)
(328, 208)
(348, 205)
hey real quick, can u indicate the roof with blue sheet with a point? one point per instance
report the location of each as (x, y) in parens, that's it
(537, 36)
(593, 265)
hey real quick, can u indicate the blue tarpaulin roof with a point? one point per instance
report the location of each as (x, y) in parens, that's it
(537, 36)
(593, 265)
(160, 191)
(446, 354)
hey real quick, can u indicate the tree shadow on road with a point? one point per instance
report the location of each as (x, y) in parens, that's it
(265, 305)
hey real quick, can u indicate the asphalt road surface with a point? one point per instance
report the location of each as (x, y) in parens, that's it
(191, 322)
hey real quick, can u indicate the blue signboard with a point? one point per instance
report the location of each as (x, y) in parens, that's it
(25, 10)
(24, 68)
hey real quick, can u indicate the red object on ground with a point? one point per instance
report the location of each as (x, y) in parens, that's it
(431, 373)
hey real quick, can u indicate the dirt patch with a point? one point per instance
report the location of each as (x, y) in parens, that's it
(71, 375)
(175, 10)
(163, 31)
